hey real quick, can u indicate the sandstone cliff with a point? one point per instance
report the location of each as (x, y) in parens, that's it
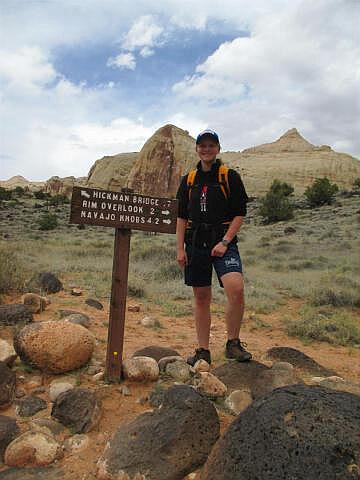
(62, 186)
(164, 158)
(292, 159)
(19, 181)
(111, 172)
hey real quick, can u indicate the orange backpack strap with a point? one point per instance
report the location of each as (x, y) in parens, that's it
(191, 180)
(224, 180)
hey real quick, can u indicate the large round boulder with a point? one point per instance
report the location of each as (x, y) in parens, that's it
(44, 282)
(8, 431)
(54, 347)
(15, 314)
(32, 449)
(298, 431)
(156, 352)
(166, 444)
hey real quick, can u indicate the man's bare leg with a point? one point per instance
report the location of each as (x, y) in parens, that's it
(202, 296)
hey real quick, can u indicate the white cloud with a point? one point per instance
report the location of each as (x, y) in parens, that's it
(146, 52)
(299, 68)
(123, 61)
(145, 32)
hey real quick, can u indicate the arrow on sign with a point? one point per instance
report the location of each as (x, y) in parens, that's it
(168, 221)
(165, 212)
(84, 194)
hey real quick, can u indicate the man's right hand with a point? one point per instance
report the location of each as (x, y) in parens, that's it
(182, 258)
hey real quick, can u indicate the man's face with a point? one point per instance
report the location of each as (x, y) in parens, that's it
(207, 150)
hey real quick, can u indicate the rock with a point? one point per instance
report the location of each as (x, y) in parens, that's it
(98, 377)
(201, 366)
(45, 282)
(62, 185)
(38, 390)
(32, 449)
(34, 382)
(93, 369)
(289, 230)
(78, 409)
(7, 385)
(66, 313)
(314, 434)
(156, 352)
(9, 430)
(15, 314)
(299, 360)
(157, 396)
(185, 429)
(341, 385)
(111, 172)
(76, 443)
(54, 346)
(140, 369)
(178, 370)
(163, 362)
(76, 292)
(7, 353)
(279, 375)
(20, 393)
(58, 387)
(94, 303)
(34, 302)
(164, 158)
(125, 391)
(30, 405)
(78, 319)
(133, 308)
(40, 473)
(238, 401)
(54, 427)
(207, 384)
(148, 322)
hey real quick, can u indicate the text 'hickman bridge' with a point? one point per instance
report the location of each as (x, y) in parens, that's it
(98, 207)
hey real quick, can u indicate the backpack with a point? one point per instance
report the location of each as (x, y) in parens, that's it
(223, 177)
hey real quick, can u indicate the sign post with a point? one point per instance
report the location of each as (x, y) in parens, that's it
(123, 211)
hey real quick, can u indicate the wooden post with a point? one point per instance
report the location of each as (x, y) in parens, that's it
(118, 305)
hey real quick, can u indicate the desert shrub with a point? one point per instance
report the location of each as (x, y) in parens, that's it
(48, 221)
(321, 192)
(12, 274)
(324, 325)
(356, 184)
(58, 200)
(337, 295)
(281, 188)
(40, 195)
(136, 288)
(169, 272)
(5, 194)
(275, 207)
(19, 191)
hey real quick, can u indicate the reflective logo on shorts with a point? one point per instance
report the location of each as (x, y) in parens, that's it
(231, 262)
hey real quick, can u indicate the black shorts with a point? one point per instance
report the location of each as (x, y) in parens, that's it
(198, 271)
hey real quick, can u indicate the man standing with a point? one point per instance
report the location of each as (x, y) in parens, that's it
(212, 205)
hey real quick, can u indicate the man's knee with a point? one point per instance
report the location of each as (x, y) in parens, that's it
(202, 296)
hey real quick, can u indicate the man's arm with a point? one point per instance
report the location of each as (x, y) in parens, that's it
(234, 227)
(180, 239)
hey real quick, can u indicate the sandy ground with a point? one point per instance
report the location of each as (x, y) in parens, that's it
(179, 334)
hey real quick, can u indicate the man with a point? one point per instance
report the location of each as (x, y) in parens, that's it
(212, 205)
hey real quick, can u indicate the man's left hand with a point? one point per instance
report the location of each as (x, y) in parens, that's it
(219, 250)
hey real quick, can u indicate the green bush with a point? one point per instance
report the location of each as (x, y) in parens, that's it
(356, 184)
(48, 221)
(12, 275)
(5, 194)
(281, 188)
(321, 192)
(58, 200)
(40, 195)
(275, 207)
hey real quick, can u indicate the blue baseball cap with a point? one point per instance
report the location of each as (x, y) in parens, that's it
(207, 134)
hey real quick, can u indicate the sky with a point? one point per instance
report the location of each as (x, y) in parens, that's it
(80, 79)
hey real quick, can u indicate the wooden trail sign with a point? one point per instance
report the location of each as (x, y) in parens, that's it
(123, 211)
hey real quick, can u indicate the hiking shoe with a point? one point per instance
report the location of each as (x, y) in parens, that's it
(235, 350)
(200, 354)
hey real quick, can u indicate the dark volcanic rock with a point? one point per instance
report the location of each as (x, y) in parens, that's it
(14, 314)
(44, 282)
(29, 405)
(38, 473)
(79, 319)
(166, 444)
(299, 360)
(296, 432)
(7, 385)
(156, 352)
(8, 431)
(94, 303)
(78, 409)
